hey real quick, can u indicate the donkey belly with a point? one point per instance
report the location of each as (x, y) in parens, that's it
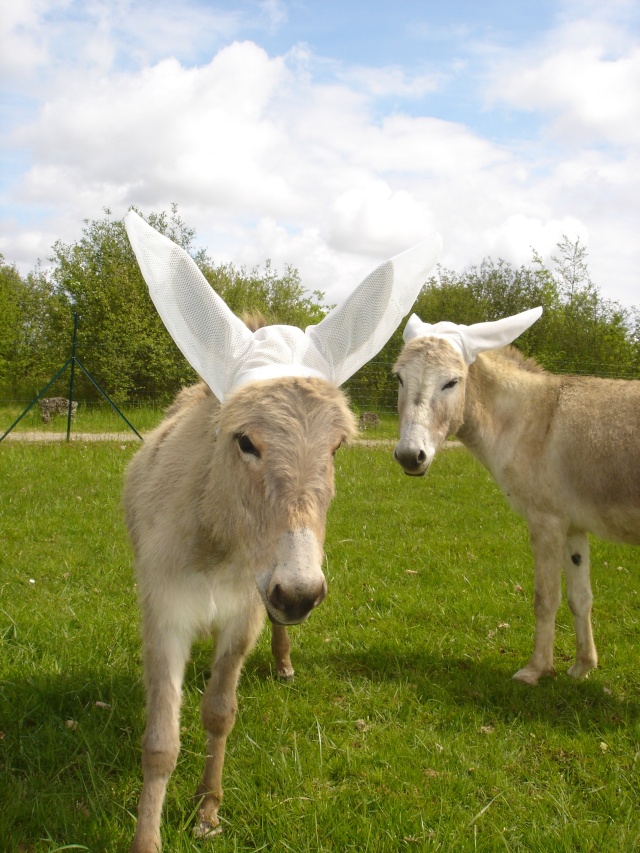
(618, 524)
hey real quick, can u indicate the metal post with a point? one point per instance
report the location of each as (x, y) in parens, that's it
(35, 400)
(107, 398)
(73, 365)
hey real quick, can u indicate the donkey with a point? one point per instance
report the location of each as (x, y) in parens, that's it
(563, 449)
(226, 502)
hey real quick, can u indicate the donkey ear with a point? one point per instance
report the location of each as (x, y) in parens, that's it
(498, 333)
(209, 335)
(351, 334)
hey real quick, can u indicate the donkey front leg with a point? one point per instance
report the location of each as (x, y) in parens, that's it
(547, 542)
(218, 712)
(165, 654)
(580, 599)
(281, 648)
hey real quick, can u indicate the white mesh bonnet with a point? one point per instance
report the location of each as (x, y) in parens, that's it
(471, 340)
(226, 354)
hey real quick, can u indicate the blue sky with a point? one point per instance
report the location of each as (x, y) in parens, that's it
(328, 135)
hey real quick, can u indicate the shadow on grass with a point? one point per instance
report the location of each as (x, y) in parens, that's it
(71, 745)
(486, 685)
(70, 741)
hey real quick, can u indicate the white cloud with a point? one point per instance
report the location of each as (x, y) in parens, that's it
(376, 219)
(267, 158)
(585, 79)
(516, 236)
(389, 81)
(23, 47)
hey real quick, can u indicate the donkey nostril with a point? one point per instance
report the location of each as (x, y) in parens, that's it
(276, 598)
(422, 457)
(321, 595)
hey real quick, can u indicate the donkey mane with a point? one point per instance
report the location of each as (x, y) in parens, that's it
(255, 320)
(193, 394)
(511, 353)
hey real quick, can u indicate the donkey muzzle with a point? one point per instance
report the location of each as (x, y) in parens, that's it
(414, 452)
(295, 583)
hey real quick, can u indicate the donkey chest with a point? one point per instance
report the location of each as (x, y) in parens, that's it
(205, 594)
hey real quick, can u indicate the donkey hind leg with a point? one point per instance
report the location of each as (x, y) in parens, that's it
(165, 655)
(281, 648)
(547, 542)
(580, 599)
(218, 711)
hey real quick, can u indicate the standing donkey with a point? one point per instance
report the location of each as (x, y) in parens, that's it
(226, 501)
(563, 449)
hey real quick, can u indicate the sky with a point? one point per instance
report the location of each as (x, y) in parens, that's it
(328, 134)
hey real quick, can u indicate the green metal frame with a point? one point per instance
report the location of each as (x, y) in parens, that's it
(71, 361)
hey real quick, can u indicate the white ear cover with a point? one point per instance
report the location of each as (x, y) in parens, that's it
(223, 351)
(355, 331)
(206, 331)
(471, 340)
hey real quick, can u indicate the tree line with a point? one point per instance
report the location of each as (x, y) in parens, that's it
(123, 343)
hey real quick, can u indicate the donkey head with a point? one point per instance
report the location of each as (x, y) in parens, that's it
(276, 443)
(282, 416)
(432, 372)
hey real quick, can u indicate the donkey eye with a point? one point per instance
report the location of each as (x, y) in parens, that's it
(246, 445)
(450, 384)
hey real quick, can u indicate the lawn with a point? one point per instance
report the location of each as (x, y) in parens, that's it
(402, 729)
(100, 417)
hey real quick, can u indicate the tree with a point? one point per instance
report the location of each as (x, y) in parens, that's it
(592, 334)
(126, 348)
(122, 341)
(280, 298)
(13, 293)
(578, 331)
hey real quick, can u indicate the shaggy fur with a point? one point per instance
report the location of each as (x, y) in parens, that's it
(564, 450)
(221, 502)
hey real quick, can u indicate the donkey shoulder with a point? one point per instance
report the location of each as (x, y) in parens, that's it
(174, 457)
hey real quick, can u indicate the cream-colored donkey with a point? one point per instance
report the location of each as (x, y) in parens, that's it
(226, 501)
(565, 450)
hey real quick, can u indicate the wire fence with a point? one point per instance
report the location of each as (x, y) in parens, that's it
(140, 406)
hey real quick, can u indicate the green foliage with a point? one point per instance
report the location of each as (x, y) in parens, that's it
(279, 298)
(122, 341)
(13, 309)
(125, 347)
(579, 332)
(402, 730)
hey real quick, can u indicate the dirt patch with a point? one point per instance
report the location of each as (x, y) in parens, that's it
(130, 436)
(75, 436)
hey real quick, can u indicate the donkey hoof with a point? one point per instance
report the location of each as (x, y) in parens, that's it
(206, 830)
(581, 669)
(284, 675)
(531, 675)
(526, 676)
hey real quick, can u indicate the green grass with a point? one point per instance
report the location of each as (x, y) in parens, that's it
(402, 730)
(100, 417)
(93, 417)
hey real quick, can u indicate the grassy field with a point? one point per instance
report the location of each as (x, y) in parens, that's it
(402, 730)
(100, 417)
(97, 417)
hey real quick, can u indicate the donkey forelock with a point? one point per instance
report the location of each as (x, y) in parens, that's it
(294, 426)
(431, 375)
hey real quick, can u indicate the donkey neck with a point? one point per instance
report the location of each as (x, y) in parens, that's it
(500, 391)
